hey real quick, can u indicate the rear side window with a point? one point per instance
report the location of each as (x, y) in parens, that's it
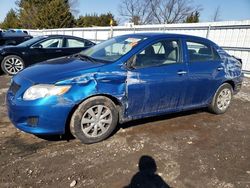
(200, 52)
(73, 43)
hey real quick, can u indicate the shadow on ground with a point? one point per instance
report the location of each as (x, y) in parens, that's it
(147, 177)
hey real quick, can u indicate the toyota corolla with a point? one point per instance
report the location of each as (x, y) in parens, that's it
(125, 78)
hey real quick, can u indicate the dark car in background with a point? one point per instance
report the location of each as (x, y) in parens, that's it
(13, 38)
(15, 58)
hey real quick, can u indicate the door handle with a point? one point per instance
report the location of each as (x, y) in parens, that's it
(58, 50)
(181, 72)
(220, 68)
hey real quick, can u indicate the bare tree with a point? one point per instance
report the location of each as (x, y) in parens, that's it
(171, 11)
(157, 11)
(216, 16)
(137, 11)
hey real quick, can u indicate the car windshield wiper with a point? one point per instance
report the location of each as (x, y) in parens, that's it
(85, 57)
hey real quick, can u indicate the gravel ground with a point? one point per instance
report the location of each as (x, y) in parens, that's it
(190, 149)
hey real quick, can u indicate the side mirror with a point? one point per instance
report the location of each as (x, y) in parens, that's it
(37, 46)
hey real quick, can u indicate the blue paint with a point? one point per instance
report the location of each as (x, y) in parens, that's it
(140, 92)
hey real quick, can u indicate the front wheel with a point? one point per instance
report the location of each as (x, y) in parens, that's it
(94, 120)
(222, 99)
(12, 64)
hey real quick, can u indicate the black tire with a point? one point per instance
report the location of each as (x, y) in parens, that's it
(17, 64)
(77, 127)
(215, 106)
(1, 72)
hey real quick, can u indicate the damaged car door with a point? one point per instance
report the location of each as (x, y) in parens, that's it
(205, 69)
(157, 79)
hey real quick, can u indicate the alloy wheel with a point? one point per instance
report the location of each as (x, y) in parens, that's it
(224, 99)
(96, 121)
(13, 65)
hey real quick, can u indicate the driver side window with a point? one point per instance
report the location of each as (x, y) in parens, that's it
(161, 53)
(51, 43)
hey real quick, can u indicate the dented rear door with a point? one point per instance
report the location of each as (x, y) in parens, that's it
(156, 88)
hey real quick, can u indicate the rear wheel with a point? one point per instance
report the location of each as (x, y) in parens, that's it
(94, 120)
(12, 64)
(222, 99)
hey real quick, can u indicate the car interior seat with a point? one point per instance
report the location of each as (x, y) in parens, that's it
(205, 51)
(147, 58)
(171, 53)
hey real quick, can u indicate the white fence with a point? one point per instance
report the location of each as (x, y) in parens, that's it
(233, 36)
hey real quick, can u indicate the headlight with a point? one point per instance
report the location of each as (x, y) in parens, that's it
(44, 90)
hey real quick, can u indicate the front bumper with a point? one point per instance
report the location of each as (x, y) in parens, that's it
(50, 118)
(42, 116)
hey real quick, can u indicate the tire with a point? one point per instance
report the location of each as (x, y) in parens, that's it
(94, 120)
(12, 64)
(222, 99)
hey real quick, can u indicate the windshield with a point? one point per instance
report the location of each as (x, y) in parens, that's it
(112, 49)
(31, 41)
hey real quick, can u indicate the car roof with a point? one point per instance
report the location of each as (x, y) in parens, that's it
(161, 34)
(68, 36)
(170, 35)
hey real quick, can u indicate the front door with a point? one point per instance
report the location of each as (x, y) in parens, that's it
(47, 49)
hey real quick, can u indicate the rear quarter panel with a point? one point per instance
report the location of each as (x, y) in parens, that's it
(232, 69)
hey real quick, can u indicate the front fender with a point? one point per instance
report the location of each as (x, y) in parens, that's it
(111, 83)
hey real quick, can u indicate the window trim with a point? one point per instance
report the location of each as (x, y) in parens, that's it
(211, 46)
(181, 58)
(215, 51)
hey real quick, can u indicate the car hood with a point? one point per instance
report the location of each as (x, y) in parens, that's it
(55, 70)
(10, 47)
(5, 47)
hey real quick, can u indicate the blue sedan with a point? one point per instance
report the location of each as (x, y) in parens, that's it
(125, 78)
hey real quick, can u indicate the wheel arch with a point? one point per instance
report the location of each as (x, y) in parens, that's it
(13, 53)
(231, 82)
(114, 99)
(211, 106)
